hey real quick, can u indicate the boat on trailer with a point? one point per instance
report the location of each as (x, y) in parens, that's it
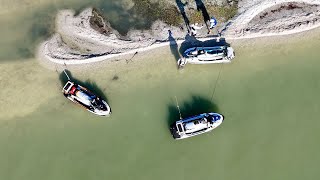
(85, 98)
(195, 125)
(207, 55)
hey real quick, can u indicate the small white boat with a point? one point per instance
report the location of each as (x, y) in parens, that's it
(83, 97)
(207, 55)
(195, 125)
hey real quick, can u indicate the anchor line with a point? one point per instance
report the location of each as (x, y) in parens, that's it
(58, 75)
(130, 60)
(65, 64)
(217, 80)
(178, 107)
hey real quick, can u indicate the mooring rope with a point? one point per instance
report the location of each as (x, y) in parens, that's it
(130, 60)
(178, 107)
(58, 75)
(215, 84)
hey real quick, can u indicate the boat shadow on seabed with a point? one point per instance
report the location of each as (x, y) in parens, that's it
(195, 106)
(173, 46)
(92, 86)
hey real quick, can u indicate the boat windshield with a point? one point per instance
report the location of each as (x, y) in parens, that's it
(214, 118)
(99, 104)
(201, 52)
(196, 52)
(83, 95)
(215, 52)
(92, 96)
(180, 128)
(200, 121)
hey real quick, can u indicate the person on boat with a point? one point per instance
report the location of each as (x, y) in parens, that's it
(200, 51)
(194, 52)
(181, 62)
(194, 28)
(204, 120)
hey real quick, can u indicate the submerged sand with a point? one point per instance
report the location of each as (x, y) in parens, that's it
(33, 85)
(264, 95)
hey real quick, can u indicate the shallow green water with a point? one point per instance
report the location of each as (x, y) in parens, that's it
(25, 23)
(268, 95)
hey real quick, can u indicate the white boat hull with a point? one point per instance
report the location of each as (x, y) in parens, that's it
(197, 61)
(207, 55)
(83, 97)
(95, 111)
(186, 128)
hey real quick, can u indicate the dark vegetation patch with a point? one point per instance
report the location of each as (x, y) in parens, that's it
(221, 13)
(157, 11)
(145, 12)
(263, 15)
(99, 23)
(115, 77)
(285, 7)
(290, 6)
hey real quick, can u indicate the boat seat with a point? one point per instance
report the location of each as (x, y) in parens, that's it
(73, 89)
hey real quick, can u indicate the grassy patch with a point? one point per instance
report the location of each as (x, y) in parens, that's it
(221, 13)
(157, 11)
(171, 15)
(195, 16)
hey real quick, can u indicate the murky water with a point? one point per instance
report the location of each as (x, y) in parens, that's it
(269, 96)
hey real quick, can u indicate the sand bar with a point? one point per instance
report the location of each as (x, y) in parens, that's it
(74, 32)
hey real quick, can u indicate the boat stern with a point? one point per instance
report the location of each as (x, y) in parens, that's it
(175, 130)
(230, 53)
(67, 87)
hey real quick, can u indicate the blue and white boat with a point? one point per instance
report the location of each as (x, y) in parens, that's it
(207, 55)
(195, 125)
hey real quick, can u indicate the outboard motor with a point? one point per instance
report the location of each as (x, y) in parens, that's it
(230, 53)
(181, 63)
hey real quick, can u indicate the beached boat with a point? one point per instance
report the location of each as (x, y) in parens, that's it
(195, 125)
(207, 55)
(83, 97)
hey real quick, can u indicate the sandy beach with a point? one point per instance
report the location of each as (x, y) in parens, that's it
(76, 42)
